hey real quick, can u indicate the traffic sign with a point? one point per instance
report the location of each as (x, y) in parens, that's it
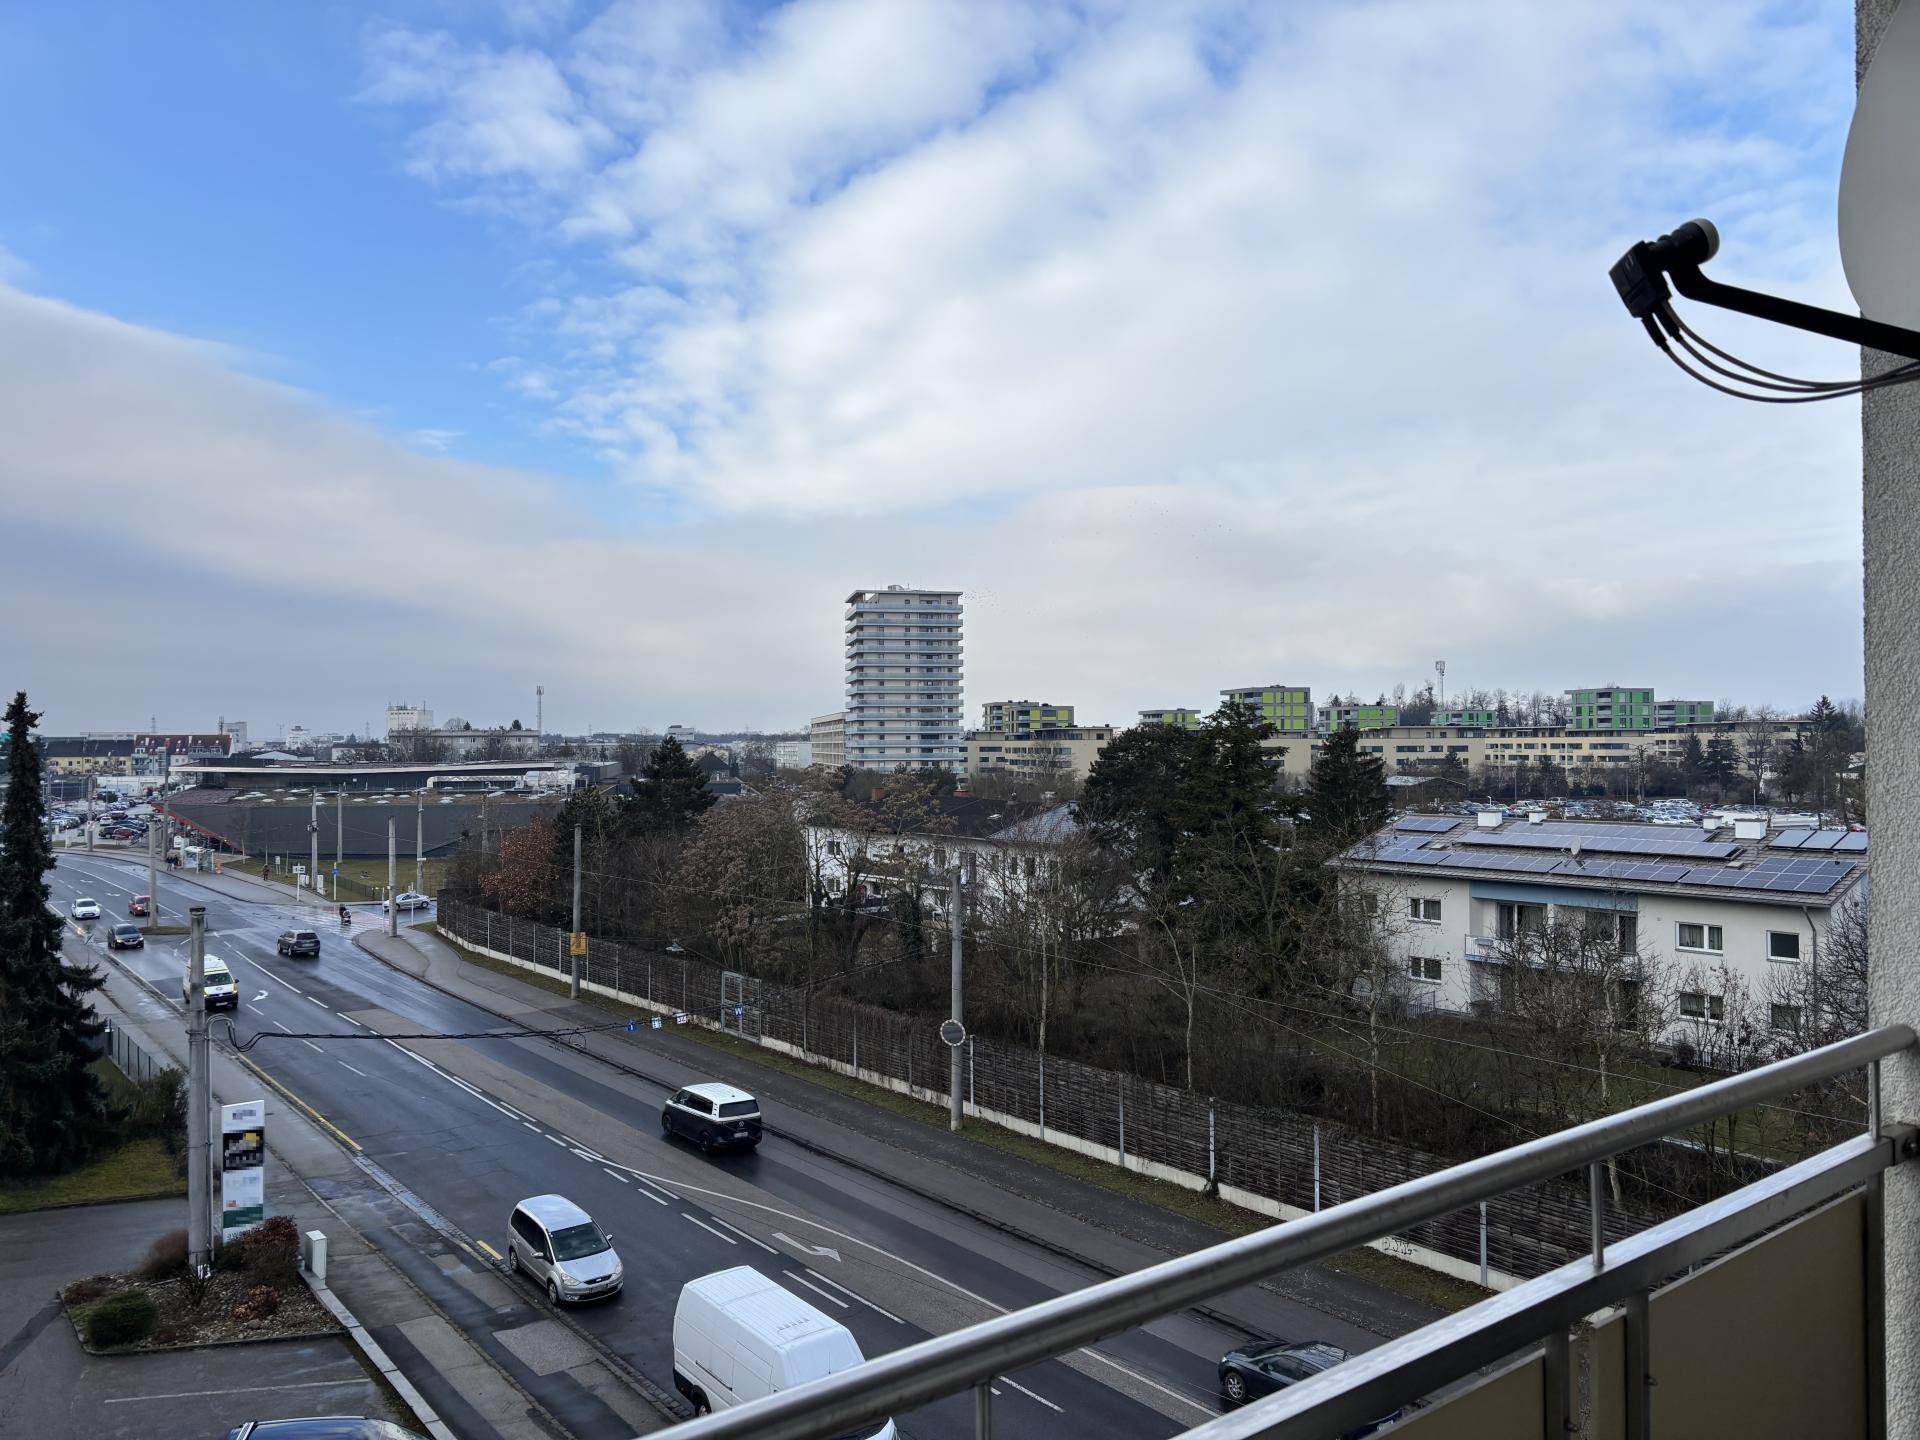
(633, 1027)
(953, 1032)
(577, 943)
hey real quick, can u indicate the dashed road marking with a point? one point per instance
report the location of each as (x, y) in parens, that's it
(1004, 1380)
(361, 1073)
(708, 1228)
(750, 1239)
(853, 1295)
(824, 1295)
(615, 1174)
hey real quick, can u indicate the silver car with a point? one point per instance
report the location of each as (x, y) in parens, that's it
(557, 1243)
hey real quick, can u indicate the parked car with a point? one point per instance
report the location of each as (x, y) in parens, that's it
(84, 909)
(739, 1336)
(139, 905)
(557, 1243)
(126, 937)
(323, 1427)
(299, 942)
(1265, 1366)
(713, 1116)
(222, 992)
(119, 832)
(408, 900)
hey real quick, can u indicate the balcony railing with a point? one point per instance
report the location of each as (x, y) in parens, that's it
(1538, 1313)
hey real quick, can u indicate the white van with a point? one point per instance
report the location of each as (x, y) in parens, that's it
(738, 1336)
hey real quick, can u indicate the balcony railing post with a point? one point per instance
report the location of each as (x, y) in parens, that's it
(1597, 1213)
(983, 1411)
(1638, 1360)
(1555, 1373)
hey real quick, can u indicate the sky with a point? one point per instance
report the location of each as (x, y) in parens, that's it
(435, 351)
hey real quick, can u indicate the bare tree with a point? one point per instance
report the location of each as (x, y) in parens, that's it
(1759, 746)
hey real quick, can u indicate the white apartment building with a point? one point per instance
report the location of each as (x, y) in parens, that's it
(408, 717)
(903, 680)
(792, 754)
(1040, 755)
(827, 735)
(1727, 916)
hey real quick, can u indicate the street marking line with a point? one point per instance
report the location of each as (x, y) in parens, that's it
(531, 1126)
(331, 1128)
(802, 1280)
(271, 976)
(616, 1175)
(287, 1028)
(853, 1295)
(708, 1228)
(360, 1379)
(750, 1239)
(313, 1047)
(518, 1114)
(1004, 1380)
(555, 1138)
(587, 1155)
(486, 1247)
(361, 1073)
(638, 1185)
(321, 1003)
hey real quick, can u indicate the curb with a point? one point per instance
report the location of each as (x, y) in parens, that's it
(376, 1357)
(992, 1222)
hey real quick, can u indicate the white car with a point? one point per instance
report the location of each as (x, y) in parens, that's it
(408, 900)
(84, 909)
(559, 1245)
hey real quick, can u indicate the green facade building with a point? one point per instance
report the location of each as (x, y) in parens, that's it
(1481, 718)
(1184, 719)
(1671, 714)
(1611, 708)
(1288, 708)
(1342, 713)
(1024, 717)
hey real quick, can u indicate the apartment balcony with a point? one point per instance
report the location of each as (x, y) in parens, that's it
(1755, 1315)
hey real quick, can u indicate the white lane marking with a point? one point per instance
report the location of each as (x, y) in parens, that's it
(361, 1073)
(824, 1295)
(518, 1114)
(641, 1187)
(853, 1294)
(556, 1140)
(321, 1003)
(531, 1126)
(750, 1239)
(287, 1028)
(249, 1390)
(708, 1228)
(348, 1018)
(258, 998)
(616, 1175)
(273, 977)
(804, 1248)
(587, 1155)
(1005, 1380)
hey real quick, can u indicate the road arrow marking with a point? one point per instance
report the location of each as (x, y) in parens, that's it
(805, 1249)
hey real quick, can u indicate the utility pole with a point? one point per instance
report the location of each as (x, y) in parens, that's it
(956, 919)
(153, 872)
(420, 843)
(313, 842)
(573, 943)
(539, 718)
(339, 833)
(199, 1097)
(393, 908)
(90, 786)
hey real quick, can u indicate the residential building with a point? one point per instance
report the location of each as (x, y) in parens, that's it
(1000, 849)
(1726, 919)
(827, 737)
(1023, 717)
(903, 679)
(1671, 714)
(1288, 708)
(494, 743)
(1611, 708)
(1184, 719)
(84, 755)
(1338, 714)
(792, 754)
(1042, 754)
(238, 730)
(408, 717)
(1463, 717)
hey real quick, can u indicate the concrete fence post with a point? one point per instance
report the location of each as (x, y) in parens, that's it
(1213, 1182)
(1123, 1125)
(1316, 1167)
(970, 1099)
(1043, 1094)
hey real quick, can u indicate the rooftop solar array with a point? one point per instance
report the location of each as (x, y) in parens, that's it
(1542, 837)
(1801, 873)
(1842, 842)
(1438, 824)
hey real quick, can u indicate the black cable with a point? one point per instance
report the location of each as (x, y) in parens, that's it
(1681, 325)
(1801, 392)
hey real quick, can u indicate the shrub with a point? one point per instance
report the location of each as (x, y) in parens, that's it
(121, 1319)
(81, 1291)
(270, 1253)
(166, 1257)
(159, 1109)
(261, 1301)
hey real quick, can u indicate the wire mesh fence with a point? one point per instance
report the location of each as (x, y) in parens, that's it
(1266, 1157)
(131, 1058)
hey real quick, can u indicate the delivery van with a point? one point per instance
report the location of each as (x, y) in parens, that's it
(739, 1337)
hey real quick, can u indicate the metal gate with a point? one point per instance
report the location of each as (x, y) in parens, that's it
(740, 1004)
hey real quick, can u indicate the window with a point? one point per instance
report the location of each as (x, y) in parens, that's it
(1426, 911)
(1783, 945)
(1785, 1019)
(833, 847)
(1696, 1006)
(1516, 920)
(939, 857)
(1698, 937)
(1425, 967)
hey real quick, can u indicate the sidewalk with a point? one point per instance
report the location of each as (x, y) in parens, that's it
(1104, 1231)
(440, 1342)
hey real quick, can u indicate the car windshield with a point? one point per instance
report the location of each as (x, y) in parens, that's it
(732, 1108)
(577, 1242)
(219, 975)
(305, 935)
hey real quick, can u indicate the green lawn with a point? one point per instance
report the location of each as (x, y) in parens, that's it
(138, 1170)
(1387, 1271)
(359, 879)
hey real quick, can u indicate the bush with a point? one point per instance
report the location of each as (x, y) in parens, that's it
(166, 1257)
(270, 1254)
(159, 1109)
(121, 1319)
(81, 1291)
(261, 1301)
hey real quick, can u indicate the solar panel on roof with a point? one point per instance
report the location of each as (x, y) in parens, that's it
(1438, 824)
(1824, 840)
(1855, 842)
(1790, 839)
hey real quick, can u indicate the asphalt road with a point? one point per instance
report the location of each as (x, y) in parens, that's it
(467, 1127)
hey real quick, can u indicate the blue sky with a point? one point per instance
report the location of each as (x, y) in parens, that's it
(608, 345)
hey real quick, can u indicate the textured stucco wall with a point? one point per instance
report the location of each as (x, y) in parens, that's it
(1890, 482)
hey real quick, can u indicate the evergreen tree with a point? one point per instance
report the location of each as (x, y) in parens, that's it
(1693, 762)
(1347, 796)
(53, 1112)
(670, 793)
(1130, 794)
(1720, 763)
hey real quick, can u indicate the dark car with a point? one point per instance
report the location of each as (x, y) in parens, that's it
(713, 1116)
(126, 937)
(1265, 1366)
(139, 904)
(299, 942)
(324, 1427)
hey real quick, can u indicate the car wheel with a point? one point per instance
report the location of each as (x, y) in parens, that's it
(553, 1294)
(706, 1143)
(513, 1260)
(1236, 1388)
(700, 1407)
(666, 1123)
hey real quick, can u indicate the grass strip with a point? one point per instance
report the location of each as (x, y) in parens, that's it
(137, 1170)
(1389, 1272)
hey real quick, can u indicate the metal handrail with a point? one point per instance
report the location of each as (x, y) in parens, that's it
(974, 1356)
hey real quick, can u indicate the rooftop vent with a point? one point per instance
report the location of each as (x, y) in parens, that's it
(1488, 819)
(1749, 829)
(1536, 817)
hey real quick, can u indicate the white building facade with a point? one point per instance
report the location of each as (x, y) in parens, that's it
(793, 754)
(904, 679)
(408, 717)
(827, 739)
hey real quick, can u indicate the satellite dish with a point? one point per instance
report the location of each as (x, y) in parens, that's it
(1880, 179)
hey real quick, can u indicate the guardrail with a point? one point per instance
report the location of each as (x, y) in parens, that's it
(1352, 1394)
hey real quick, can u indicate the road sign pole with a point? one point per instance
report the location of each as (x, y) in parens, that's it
(153, 871)
(339, 833)
(420, 846)
(199, 1096)
(955, 918)
(573, 949)
(393, 899)
(313, 842)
